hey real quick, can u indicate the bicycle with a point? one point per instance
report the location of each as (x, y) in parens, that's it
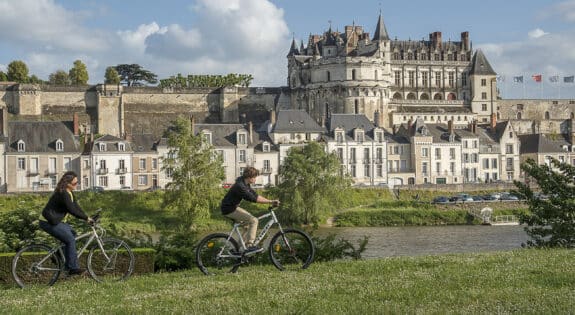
(288, 249)
(108, 259)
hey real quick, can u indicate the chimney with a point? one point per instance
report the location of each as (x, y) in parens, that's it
(493, 121)
(251, 131)
(450, 126)
(273, 117)
(465, 41)
(4, 121)
(192, 124)
(76, 125)
(474, 126)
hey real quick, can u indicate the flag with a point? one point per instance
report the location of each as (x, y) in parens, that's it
(568, 79)
(501, 78)
(554, 78)
(536, 77)
(518, 79)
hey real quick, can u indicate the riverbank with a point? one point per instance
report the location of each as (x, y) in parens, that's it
(521, 281)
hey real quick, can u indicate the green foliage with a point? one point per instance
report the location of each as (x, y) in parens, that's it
(79, 73)
(60, 77)
(19, 226)
(551, 222)
(331, 248)
(401, 217)
(3, 76)
(193, 81)
(311, 184)
(111, 76)
(176, 252)
(134, 74)
(17, 71)
(196, 174)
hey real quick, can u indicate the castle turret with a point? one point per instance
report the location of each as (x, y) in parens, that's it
(380, 31)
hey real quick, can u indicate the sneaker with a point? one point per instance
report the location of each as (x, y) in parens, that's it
(253, 250)
(78, 271)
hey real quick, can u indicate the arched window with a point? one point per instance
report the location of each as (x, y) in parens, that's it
(397, 96)
(411, 96)
(451, 97)
(437, 96)
(519, 115)
(59, 145)
(21, 146)
(424, 96)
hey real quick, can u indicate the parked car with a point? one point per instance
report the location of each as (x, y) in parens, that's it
(461, 198)
(490, 197)
(508, 196)
(478, 198)
(441, 199)
(95, 189)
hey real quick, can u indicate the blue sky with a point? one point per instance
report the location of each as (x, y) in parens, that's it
(519, 37)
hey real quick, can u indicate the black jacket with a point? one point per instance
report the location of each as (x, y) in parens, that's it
(240, 190)
(59, 205)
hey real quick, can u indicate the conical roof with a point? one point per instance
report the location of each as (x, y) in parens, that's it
(380, 31)
(480, 65)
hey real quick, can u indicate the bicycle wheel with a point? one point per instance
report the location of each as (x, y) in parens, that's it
(36, 265)
(291, 250)
(217, 253)
(114, 263)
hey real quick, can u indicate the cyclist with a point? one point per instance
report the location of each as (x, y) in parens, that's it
(242, 190)
(61, 203)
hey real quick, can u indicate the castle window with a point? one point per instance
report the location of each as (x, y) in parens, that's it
(376, 77)
(328, 76)
(547, 116)
(396, 56)
(59, 145)
(356, 106)
(483, 82)
(21, 146)
(409, 56)
(353, 77)
(464, 79)
(397, 76)
(449, 57)
(437, 57)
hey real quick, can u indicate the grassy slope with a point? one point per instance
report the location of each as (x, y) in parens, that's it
(522, 281)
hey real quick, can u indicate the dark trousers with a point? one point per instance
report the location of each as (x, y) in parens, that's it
(64, 233)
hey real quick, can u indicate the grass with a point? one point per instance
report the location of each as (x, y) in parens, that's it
(521, 281)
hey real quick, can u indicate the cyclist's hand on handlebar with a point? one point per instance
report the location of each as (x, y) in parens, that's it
(275, 203)
(90, 221)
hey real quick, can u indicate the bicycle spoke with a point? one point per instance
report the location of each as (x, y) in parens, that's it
(292, 249)
(31, 266)
(114, 263)
(217, 254)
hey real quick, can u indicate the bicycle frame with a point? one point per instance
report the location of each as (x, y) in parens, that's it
(93, 234)
(264, 231)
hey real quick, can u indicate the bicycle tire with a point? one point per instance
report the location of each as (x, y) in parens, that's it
(27, 271)
(217, 253)
(116, 265)
(291, 249)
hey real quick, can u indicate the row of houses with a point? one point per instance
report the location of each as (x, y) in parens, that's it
(36, 154)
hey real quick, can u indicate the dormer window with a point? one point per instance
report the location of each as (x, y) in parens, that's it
(339, 136)
(242, 139)
(266, 147)
(59, 145)
(207, 136)
(378, 136)
(359, 136)
(121, 146)
(102, 146)
(21, 146)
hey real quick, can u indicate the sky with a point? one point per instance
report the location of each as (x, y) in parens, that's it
(518, 37)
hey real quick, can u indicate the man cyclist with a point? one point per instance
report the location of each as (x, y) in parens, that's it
(242, 190)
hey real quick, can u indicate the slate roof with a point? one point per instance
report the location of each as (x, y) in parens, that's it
(295, 121)
(480, 65)
(111, 144)
(541, 143)
(41, 136)
(142, 143)
(380, 31)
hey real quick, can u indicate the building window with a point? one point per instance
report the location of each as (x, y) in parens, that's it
(122, 181)
(340, 154)
(438, 79)
(242, 138)
(438, 167)
(59, 145)
(366, 155)
(267, 167)
(242, 156)
(397, 78)
(34, 165)
(424, 152)
(379, 137)
(142, 164)
(102, 146)
(438, 153)
(451, 79)
(483, 95)
(359, 136)
(52, 165)
(352, 158)
(424, 168)
(103, 181)
(486, 163)
(484, 107)
(21, 146)
(353, 77)
(509, 149)
(21, 164)
(411, 78)
(464, 79)
(366, 171)
(339, 137)
(452, 168)
(266, 147)
(328, 76)
(379, 170)
(353, 172)
(452, 153)
(121, 147)
(142, 180)
(483, 82)
(424, 79)
(494, 163)
(154, 164)
(68, 163)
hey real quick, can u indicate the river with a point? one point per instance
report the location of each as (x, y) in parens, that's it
(429, 240)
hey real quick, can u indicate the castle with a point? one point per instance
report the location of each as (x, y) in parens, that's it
(395, 84)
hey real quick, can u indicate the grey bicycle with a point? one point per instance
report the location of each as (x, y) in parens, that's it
(288, 249)
(109, 259)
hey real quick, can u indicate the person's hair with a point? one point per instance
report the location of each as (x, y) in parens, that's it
(250, 172)
(66, 179)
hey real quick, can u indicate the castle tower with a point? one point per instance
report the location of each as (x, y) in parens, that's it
(483, 86)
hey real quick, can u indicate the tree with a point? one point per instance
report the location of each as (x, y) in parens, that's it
(111, 76)
(196, 173)
(60, 77)
(35, 80)
(18, 71)
(134, 74)
(310, 183)
(78, 74)
(551, 222)
(3, 76)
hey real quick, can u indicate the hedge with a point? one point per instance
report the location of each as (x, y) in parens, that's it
(144, 263)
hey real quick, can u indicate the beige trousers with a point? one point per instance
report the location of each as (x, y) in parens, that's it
(241, 215)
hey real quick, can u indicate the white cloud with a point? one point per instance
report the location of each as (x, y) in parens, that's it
(536, 33)
(565, 10)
